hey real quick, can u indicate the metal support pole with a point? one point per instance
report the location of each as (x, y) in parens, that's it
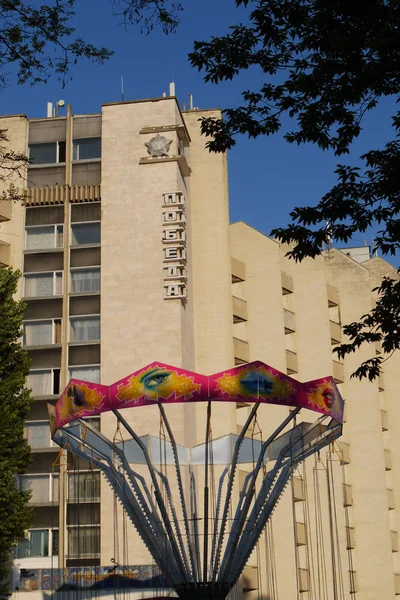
(206, 490)
(158, 496)
(230, 485)
(180, 488)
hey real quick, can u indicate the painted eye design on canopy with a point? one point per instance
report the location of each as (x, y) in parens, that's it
(77, 398)
(153, 379)
(329, 397)
(255, 383)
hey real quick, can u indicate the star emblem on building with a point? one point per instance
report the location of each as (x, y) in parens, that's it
(158, 146)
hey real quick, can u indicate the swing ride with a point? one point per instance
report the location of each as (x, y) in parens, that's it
(198, 523)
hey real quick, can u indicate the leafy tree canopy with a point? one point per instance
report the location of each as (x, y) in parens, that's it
(325, 64)
(40, 40)
(15, 400)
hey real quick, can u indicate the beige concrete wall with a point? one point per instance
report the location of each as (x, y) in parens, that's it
(372, 558)
(138, 326)
(363, 431)
(210, 251)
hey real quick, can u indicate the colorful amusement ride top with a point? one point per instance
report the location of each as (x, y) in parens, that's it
(201, 553)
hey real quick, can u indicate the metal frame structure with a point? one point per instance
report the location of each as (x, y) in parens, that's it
(168, 523)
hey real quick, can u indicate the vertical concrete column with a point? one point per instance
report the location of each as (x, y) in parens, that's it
(63, 483)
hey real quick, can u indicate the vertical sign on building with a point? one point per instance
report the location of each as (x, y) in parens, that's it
(174, 246)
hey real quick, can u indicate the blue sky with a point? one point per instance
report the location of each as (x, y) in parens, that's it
(267, 177)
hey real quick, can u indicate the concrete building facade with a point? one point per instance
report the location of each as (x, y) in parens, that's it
(128, 257)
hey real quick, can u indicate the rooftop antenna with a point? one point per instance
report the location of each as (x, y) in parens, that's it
(59, 104)
(190, 101)
(328, 237)
(122, 89)
(172, 89)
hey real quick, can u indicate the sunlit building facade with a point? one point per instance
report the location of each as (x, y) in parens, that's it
(128, 257)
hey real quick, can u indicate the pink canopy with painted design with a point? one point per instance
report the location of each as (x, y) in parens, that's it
(158, 382)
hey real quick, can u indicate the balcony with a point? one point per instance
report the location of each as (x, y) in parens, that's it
(333, 295)
(344, 453)
(397, 584)
(391, 500)
(336, 332)
(289, 320)
(338, 371)
(44, 488)
(347, 495)
(291, 362)
(5, 210)
(250, 579)
(238, 270)
(241, 350)
(5, 254)
(62, 194)
(384, 420)
(301, 534)
(350, 538)
(395, 541)
(388, 460)
(304, 580)
(287, 283)
(353, 582)
(298, 489)
(239, 310)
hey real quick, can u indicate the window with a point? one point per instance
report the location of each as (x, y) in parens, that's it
(87, 211)
(85, 233)
(38, 543)
(86, 373)
(87, 148)
(44, 382)
(83, 541)
(43, 284)
(44, 488)
(85, 280)
(42, 333)
(44, 237)
(37, 434)
(50, 153)
(85, 329)
(84, 486)
(44, 215)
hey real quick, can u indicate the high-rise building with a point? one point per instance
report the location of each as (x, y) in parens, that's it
(128, 257)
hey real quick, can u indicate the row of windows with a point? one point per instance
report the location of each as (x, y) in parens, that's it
(46, 237)
(50, 283)
(46, 382)
(46, 332)
(44, 488)
(55, 152)
(82, 541)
